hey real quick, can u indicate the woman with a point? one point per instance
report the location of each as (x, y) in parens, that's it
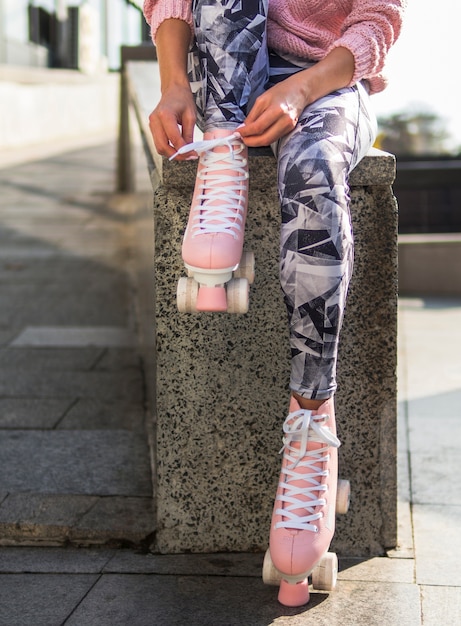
(297, 76)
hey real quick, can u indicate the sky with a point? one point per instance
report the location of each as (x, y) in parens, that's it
(424, 65)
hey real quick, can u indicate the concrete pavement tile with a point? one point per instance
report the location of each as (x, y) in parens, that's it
(427, 373)
(117, 600)
(46, 520)
(378, 569)
(106, 386)
(441, 605)
(89, 414)
(41, 599)
(18, 210)
(20, 252)
(75, 462)
(62, 358)
(52, 232)
(446, 404)
(27, 560)
(219, 564)
(435, 459)
(104, 304)
(127, 520)
(405, 547)
(405, 525)
(75, 337)
(14, 300)
(437, 531)
(68, 266)
(29, 517)
(32, 412)
(6, 335)
(119, 359)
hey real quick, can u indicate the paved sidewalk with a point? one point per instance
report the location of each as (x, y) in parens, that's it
(74, 460)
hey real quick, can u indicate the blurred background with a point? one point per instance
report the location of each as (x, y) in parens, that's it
(59, 66)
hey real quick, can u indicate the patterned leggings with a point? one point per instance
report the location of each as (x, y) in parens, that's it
(229, 67)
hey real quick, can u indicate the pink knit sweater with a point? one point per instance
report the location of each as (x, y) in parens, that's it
(310, 29)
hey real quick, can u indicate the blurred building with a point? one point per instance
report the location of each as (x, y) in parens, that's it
(69, 34)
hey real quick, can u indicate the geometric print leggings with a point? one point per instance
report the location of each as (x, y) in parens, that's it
(229, 66)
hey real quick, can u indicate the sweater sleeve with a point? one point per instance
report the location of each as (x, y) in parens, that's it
(368, 33)
(156, 11)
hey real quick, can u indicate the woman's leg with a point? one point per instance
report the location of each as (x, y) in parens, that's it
(228, 67)
(316, 263)
(316, 235)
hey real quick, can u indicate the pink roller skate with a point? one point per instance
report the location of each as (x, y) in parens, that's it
(212, 250)
(308, 496)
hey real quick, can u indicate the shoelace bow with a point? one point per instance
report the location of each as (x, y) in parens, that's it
(301, 427)
(222, 207)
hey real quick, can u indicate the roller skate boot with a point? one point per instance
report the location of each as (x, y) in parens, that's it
(219, 272)
(308, 497)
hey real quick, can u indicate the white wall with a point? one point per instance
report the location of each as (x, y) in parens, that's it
(54, 106)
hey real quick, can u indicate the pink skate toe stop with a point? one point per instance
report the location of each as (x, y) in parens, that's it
(212, 299)
(295, 594)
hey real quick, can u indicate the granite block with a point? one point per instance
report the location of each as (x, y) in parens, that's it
(221, 381)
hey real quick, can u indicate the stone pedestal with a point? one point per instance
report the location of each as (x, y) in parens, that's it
(221, 381)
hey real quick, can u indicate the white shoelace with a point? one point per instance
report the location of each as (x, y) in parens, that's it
(301, 427)
(222, 207)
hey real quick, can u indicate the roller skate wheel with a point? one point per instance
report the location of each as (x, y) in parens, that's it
(343, 497)
(325, 573)
(237, 295)
(246, 268)
(271, 576)
(186, 295)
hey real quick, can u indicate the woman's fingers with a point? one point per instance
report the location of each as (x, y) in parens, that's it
(172, 122)
(270, 118)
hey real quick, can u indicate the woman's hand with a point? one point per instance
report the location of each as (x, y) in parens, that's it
(173, 119)
(275, 112)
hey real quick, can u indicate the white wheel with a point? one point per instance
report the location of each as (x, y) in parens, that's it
(271, 576)
(325, 573)
(237, 295)
(343, 497)
(246, 268)
(186, 295)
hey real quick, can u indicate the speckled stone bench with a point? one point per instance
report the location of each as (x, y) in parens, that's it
(219, 382)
